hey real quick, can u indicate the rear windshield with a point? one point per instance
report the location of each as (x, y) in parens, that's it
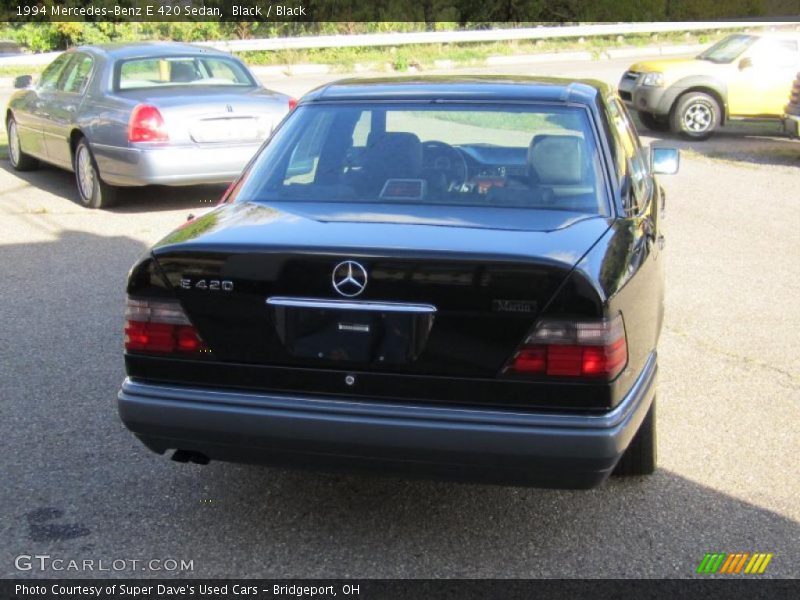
(181, 71)
(521, 156)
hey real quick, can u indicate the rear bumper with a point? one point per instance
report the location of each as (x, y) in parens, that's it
(541, 449)
(791, 125)
(172, 165)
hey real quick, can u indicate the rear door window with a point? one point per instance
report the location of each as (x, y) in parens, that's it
(630, 149)
(76, 77)
(780, 54)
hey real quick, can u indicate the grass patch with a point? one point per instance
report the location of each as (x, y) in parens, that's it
(424, 56)
(17, 70)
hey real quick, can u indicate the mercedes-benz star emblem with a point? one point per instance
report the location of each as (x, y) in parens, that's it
(349, 278)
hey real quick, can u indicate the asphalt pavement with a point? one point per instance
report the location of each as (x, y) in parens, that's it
(78, 486)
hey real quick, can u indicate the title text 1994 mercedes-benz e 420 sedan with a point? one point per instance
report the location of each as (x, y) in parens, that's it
(141, 114)
(459, 278)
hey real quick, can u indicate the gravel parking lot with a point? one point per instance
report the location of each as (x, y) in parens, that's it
(79, 486)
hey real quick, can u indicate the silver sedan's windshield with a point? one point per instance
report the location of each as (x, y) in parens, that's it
(521, 156)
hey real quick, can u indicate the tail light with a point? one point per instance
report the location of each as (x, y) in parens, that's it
(146, 125)
(160, 326)
(562, 348)
(292, 103)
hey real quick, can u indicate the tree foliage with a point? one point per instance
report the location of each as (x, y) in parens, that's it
(358, 16)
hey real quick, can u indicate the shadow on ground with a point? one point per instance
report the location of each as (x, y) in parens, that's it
(61, 183)
(750, 144)
(80, 486)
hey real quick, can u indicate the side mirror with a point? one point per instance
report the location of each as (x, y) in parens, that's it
(22, 82)
(664, 161)
(745, 63)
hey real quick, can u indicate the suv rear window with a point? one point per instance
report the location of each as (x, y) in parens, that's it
(521, 156)
(181, 71)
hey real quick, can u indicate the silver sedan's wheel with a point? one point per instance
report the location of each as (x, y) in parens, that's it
(92, 190)
(696, 116)
(85, 174)
(13, 143)
(19, 160)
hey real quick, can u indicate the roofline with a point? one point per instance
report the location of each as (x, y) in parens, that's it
(128, 50)
(579, 91)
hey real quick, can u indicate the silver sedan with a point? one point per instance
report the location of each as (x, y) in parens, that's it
(141, 114)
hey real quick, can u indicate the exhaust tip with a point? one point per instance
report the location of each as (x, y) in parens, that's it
(190, 456)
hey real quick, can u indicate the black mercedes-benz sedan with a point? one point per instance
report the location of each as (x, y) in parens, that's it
(449, 277)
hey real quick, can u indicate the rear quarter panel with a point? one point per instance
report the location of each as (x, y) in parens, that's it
(627, 275)
(104, 115)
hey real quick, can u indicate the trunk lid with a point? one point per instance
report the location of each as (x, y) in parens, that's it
(214, 115)
(257, 281)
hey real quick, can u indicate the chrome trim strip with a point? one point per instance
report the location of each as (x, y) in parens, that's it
(397, 307)
(111, 147)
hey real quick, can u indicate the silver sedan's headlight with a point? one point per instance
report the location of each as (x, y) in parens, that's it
(653, 79)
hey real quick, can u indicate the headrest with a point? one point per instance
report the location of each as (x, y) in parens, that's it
(556, 159)
(396, 153)
(181, 72)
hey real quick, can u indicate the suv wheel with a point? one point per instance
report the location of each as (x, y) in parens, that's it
(695, 116)
(640, 457)
(654, 123)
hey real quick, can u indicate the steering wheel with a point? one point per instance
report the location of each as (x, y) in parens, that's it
(446, 160)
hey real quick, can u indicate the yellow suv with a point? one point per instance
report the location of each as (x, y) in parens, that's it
(743, 76)
(791, 120)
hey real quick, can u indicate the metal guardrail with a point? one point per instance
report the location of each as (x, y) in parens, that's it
(483, 35)
(448, 37)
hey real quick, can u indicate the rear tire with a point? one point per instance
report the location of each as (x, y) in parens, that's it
(654, 123)
(695, 116)
(640, 457)
(93, 192)
(18, 159)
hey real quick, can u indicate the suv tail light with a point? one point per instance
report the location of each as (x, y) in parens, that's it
(562, 348)
(292, 103)
(146, 125)
(160, 326)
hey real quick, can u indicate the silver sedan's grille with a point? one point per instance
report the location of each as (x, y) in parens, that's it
(632, 75)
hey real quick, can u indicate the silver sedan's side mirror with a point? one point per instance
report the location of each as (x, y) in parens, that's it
(23, 81)
(664, 161)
